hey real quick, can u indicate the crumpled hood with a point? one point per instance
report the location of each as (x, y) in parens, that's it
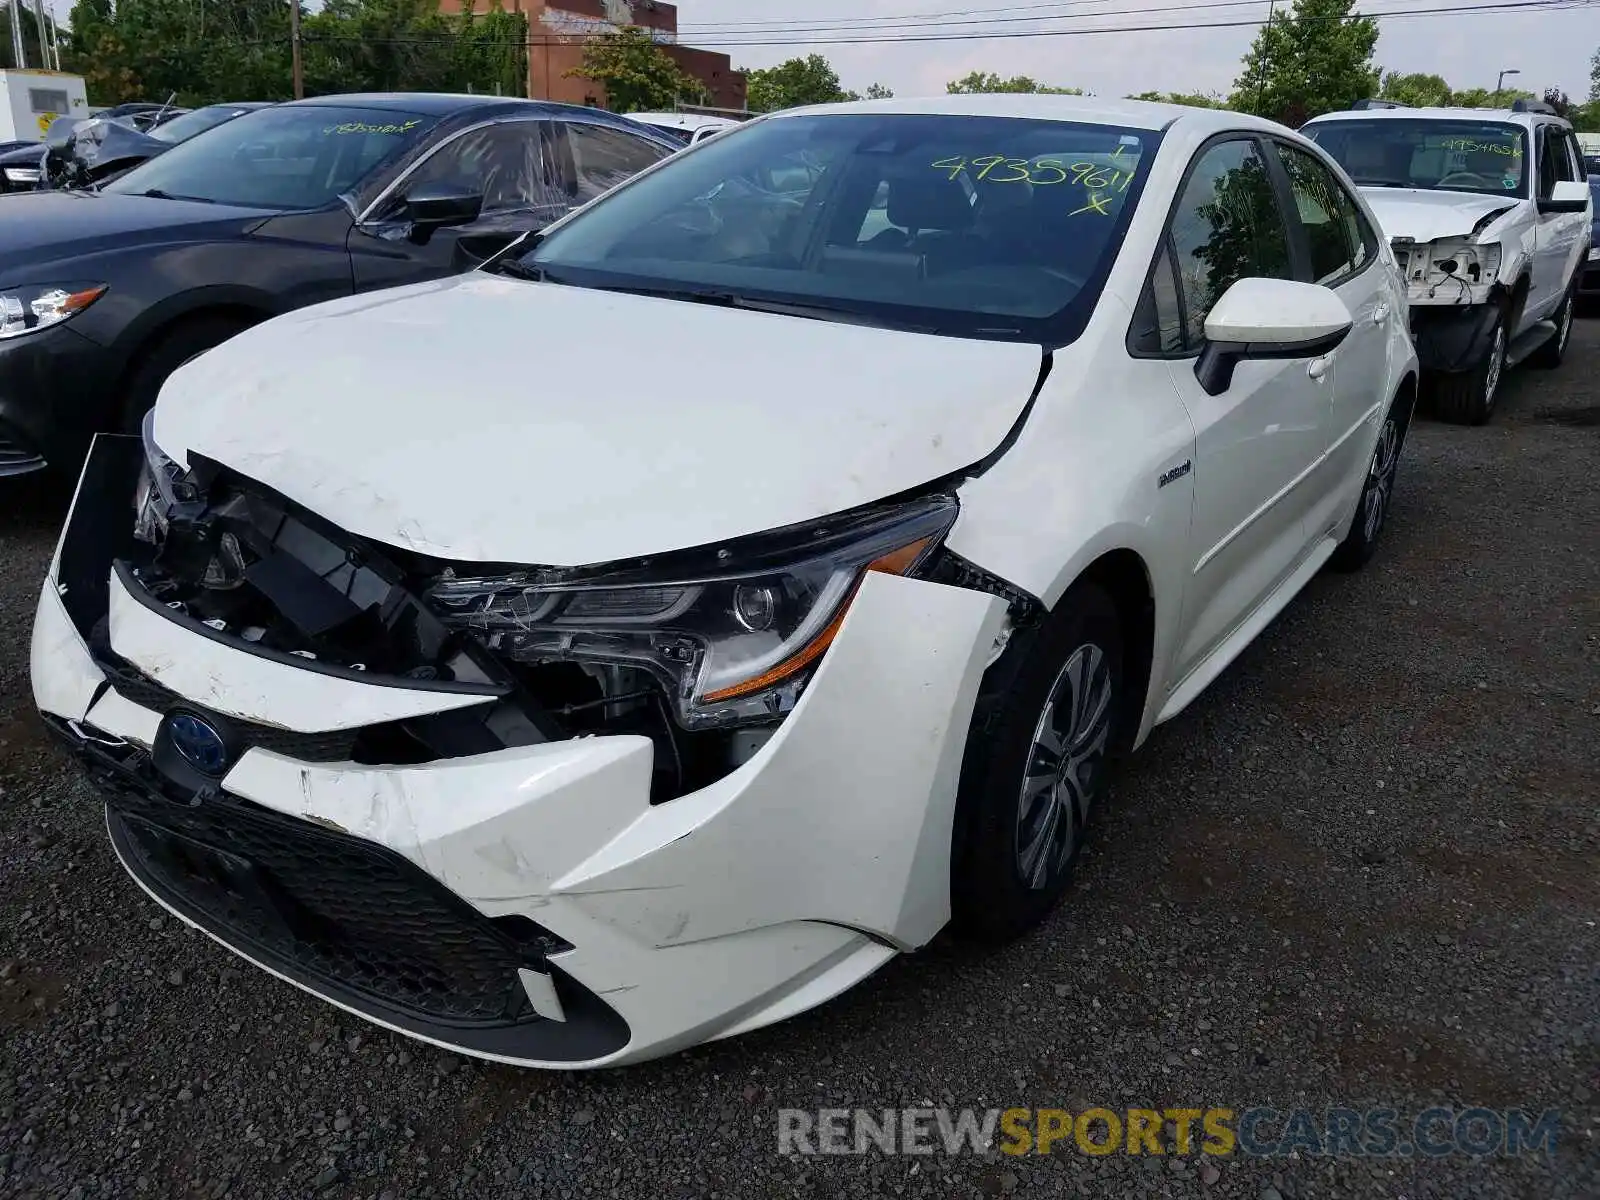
(493, 420)
(1425, 216)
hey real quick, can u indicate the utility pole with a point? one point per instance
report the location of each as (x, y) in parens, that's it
(1266, 53)
(44, 35)
(294, 49)
(14, 12)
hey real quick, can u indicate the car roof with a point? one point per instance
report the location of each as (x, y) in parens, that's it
(1092, 110)
(431, 104)
(1504, 115)
(682, 120)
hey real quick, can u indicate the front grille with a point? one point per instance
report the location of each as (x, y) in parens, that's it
(131, 684)
(322, 904)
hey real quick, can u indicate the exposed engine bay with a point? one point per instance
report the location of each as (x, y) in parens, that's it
(249, 566)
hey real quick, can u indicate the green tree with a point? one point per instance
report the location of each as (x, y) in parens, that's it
(638, 75)
(1488, 98)
(976, 82)
(1594, 78)
(1314, 59)
(800, 81)
(240, 50)
(1192, 99)
(1419, 91)
(878, 92)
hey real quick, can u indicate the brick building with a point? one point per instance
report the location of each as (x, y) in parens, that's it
(558, 29)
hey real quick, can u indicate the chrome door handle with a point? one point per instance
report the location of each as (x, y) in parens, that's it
(1380, 314)
(1318, 367)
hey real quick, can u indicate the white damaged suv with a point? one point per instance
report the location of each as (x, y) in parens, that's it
(1488, 212)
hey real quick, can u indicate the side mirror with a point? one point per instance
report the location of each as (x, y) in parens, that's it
(438, 205)
(1568, 196)
(1269, 318)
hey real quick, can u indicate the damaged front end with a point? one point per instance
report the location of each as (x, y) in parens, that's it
(704, 652)
(1456, 290)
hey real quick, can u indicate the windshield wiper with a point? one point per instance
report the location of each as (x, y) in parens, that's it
(516, 270)
(158, 194)
(787, 308)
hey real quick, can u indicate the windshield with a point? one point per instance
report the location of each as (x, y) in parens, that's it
(288, 157)
(1447, 156)
(181, 129)
(988, 227)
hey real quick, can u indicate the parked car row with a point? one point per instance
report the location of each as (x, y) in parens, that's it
(469, 655)
(104, 293)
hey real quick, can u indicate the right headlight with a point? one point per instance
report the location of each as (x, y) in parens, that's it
(158, 490)
(731, 644)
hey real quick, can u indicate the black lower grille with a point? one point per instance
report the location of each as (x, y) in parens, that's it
(329, 906)
(16, 456)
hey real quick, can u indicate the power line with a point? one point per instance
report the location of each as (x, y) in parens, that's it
(736, 32)
(965, 16)
(742, 39)
(1496, 8)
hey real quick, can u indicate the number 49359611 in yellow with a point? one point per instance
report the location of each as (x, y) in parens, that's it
(1102, 180)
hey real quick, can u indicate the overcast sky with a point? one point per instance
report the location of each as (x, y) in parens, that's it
(1552, 48)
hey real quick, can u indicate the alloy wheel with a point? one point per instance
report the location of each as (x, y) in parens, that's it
(1064, 759)
(1497, 363)
(1380, 477)
(1564, 329)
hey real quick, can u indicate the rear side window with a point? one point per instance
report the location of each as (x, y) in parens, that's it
(603, 158)
(1227, 227)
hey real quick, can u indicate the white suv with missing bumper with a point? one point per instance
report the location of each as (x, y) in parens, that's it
(1489, 215)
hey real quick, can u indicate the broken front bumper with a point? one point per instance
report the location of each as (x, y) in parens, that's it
(1451, 338)
(530, 904)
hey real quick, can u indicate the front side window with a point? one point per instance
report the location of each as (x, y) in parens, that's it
(972, 226)
(1328, 215)
(1489, 157)
(506, 163)
(288, 157)
(1227, 227)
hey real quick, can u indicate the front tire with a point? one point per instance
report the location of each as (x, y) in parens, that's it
(185, 341)
(1468, 397)
(1036, 762)
(1377, 492)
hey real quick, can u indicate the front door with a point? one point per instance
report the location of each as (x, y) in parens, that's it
(1558, 235)
(510, 163)
(1257, 440)
(1344, 254)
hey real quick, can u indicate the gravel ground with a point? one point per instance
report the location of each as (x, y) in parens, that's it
(1361, 871)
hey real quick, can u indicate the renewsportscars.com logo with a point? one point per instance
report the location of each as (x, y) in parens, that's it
(1258, 1132)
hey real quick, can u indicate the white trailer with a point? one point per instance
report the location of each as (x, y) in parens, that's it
(30, 100)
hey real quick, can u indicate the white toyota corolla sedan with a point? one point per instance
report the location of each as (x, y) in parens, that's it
(644, 639)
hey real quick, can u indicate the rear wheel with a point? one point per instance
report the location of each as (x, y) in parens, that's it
(1468, 397)
(1549, 356)
(166, 354)
(1035, 765)
(1377, 493)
